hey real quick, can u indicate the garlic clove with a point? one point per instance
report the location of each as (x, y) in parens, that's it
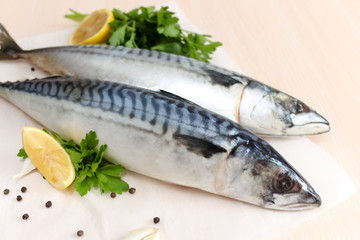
(146, 233)
(27, 167)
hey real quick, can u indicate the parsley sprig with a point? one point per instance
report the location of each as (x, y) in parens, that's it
(146, 27)
(91, 169)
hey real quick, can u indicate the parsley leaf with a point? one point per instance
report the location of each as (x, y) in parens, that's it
(111, 170)
(167, 24)
(118, 36)
(198, 46)
(84, 182)
(111, 183)
(22, 154)
(171, 47)
(76, 16)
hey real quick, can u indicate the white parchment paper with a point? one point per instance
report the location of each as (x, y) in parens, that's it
(184, 213)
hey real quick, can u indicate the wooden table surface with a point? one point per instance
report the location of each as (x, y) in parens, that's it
(309, 49)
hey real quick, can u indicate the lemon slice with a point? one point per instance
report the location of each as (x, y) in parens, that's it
(94, 28)
(49, 157)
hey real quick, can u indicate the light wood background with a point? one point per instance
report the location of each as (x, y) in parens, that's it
(309, 49)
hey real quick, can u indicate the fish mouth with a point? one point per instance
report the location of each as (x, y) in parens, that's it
(309, 123)
(296, 206)
(311, 128)
(304, 200)
(301, 205)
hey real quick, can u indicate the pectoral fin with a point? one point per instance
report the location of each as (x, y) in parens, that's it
(176, 97)
(220, 78)
(199, 146)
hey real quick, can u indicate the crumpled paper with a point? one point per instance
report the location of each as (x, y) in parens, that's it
(184, 213)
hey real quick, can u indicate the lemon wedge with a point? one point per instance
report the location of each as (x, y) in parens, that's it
(48, 156)
(94, 28)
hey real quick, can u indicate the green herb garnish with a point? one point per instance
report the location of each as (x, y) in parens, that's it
(90, 167)
(22, 154)
(159, 30)
(76, 16)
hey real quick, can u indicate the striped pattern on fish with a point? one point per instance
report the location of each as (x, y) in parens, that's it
(155, 109)
(160, 136)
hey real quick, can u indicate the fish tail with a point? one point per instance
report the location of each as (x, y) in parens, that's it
(8, 47)
(2, 90)
(5, 87)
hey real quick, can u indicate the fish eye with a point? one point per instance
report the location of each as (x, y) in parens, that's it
(283, 183)
(299, 108)
(296, 107)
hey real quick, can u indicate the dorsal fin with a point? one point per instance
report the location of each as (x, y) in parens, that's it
(199, 146)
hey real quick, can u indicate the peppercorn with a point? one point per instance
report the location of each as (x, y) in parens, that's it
(18, 198)
(48, 204)
(25, 216)
(23, 189)
(32, 69)
(113, 195)
(80, 233)
(132, 190)
(156, 220)
(6, 191)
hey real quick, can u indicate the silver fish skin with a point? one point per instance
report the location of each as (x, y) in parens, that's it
(258, 107)
(165, 138)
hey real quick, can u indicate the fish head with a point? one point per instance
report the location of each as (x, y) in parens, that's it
(271, 112)
(255, 173)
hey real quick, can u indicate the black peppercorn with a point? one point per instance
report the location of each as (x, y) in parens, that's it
(132, 190)
(113, 195)
(48, 204)
(19, 198)
(25, 216)
(80, 233)
(23, 189)
(32, 69)
(156, 220)
(6, 191)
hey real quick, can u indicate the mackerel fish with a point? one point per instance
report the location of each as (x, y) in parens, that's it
(256, 106)
(160, 136)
